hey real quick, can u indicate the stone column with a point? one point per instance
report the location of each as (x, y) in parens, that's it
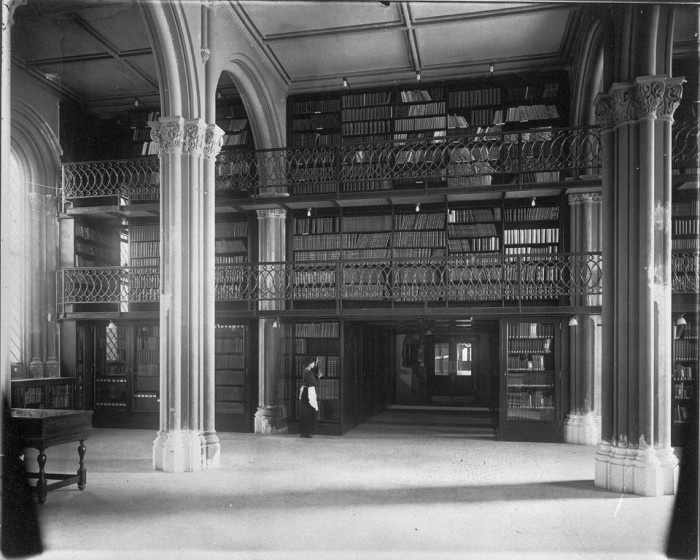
(635, 453)
(582, 423)
(271, 248)
(180, 445)
(37, 286)
(52, 368)
(212, 146)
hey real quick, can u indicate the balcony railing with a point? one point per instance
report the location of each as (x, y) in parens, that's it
(685, 148)
(455, 280)
(685, 272)
(467, 161)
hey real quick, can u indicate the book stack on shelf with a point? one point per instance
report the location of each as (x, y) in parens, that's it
(686, 231)
(147, 369)
(231, 249)
(315, 122)
(141, 142)
(530, 372)
(230, 369)
(686, 357)
(531, 229)
(95, 246)
(471, 166)
(112, 380)
(365, 238)
(144, 258)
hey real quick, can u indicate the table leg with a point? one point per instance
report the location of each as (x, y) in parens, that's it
(41, 481)
(82, 473)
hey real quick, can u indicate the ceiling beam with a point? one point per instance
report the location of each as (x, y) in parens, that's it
(105, 44)
(410, 34)
(87, 57)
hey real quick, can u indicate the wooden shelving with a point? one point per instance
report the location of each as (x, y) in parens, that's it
(686, 358)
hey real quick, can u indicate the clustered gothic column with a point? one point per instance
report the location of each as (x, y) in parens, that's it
(271, 228)
(635, 454)
(180, 444)
(213, 141)
(582, 423)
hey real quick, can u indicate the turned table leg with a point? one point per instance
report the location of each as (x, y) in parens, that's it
(41, 480)
(82, 473)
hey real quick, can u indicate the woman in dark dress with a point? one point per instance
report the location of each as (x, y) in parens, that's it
(308, 399)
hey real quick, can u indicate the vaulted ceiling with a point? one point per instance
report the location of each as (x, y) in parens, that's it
(98, 52)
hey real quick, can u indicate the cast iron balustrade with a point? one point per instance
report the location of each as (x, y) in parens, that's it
(685, 148)
(477, 160)
(475, 279)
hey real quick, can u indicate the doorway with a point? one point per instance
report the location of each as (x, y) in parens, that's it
(455, 365)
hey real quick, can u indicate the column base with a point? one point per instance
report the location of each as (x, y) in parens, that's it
(178, 451)
(211, 452)
(645, 472)
(582, 429)
(266, 420)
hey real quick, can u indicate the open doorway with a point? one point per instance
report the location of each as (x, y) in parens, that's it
(456, 365)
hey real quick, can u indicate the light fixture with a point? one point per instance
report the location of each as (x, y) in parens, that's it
(136, 101)
(308, 212)
(418, 75)
(573, 322)
(345, 82)
(219, 95)
(429, 332)
(276, 323)
(491, 68)
(681, 322)
(385, 4)
(532, 203)
(418, 207)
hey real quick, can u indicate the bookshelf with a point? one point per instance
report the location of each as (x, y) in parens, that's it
(474, 230)
(141, 143)
(685, 233)
(231, 374)
(529, 396)
(95, 245)
(231, 248)
(144, 244)
(367, 116)
(146, 368)
(686, 358)
(531, 229)
(112, 368)
(43, 392)
(314, 121)
(321, 339)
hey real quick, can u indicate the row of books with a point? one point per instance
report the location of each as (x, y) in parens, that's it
(476, 97)
(234, 168)
(686, 208)
(422, 220)
(147, 149)
(316, 105)
(92, 234)
(230, 246)
(474, 215)
(364, 99)
(147, 383)
(225, 393)
(435, 108)
(228, 377)
(236, 139)
(525, 362)
(419, 238)
(686, 226)
(685, 349)
(228, 345)
(144, 232)
(138, 249)
(477, 244)
(367, 113)
(150, 262)
(680, 414)
(305, 140)
(97, 252)
(531, 250)
(530, 330)
(683, 391)
(415, 95)
(320, 225)
(147, 343)
(317, 330)
(531, 236)
(230, 259)
(147, 369)
(144, 357)
(231, 229)
(531, 214)
(365, 240)
(530, 399)
(683, 373)
(420, 123)
(229, 361)
(689, 244)
(298, 345)
(326, 277)
(366, 127)
(529, 345)
(472, 230)
(524, 113)
(316, 122)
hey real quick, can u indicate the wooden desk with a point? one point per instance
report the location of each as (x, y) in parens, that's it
(42, 428)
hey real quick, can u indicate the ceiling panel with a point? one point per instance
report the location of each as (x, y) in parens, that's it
(421, 11)
(122, 25)
(495, 39)
(301, 17)
(338, 55)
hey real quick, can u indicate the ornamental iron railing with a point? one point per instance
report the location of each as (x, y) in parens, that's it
(685, 148)
(685, 273)
(454, 280)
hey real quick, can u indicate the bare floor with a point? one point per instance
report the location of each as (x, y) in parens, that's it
(406, 485)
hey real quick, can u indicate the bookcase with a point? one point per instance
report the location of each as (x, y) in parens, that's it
(96, 244)
(232, 383)
(531, 229)
(111, 357)
(685, 233)
(43, 392)
(320, 339)
(146, 368)
(141, 143)
(314, 121)
(231, 248)
(531, 393)
(686, 357)
(144, 244)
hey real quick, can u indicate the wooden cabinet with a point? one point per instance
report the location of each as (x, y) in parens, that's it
(43, 392)
(686, 356)
(531, 389)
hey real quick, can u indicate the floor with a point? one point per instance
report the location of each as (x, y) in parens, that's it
(408, 484)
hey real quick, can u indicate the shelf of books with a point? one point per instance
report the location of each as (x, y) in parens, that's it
(146, 377)
(144, 245)
(686, 230)
(231, 249)
(141, 143)
(321, 339)
(529, 394)
(43, 392)
(95, 245)
(231, 379)
(686, 357)
(418, 235)
(233, 120)
(315, 238)
(365, 237)
(112, 358)
(315, 121)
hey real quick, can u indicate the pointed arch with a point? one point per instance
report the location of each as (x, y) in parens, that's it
(589, 76)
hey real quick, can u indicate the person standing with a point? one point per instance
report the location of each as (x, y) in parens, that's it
(308, 399)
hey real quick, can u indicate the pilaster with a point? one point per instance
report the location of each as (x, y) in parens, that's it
(635, 453)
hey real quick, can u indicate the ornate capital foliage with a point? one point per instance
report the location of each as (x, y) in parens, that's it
(213, 140)
(271, 213)
(167, 134)
(580, 198)
(649, 97)
(193, 137)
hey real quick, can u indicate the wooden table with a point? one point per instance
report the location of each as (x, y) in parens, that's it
(42, 428)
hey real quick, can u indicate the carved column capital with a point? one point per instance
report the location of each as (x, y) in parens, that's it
(649, 94)
(213, 141)
(193, 137)
(271, 213)
(8, 12)
(624, 106)
(604, 110)
(167, 134)
(671, 98)
(649, 97)
(580, 198)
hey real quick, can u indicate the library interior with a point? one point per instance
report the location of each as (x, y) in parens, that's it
(482, 215)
